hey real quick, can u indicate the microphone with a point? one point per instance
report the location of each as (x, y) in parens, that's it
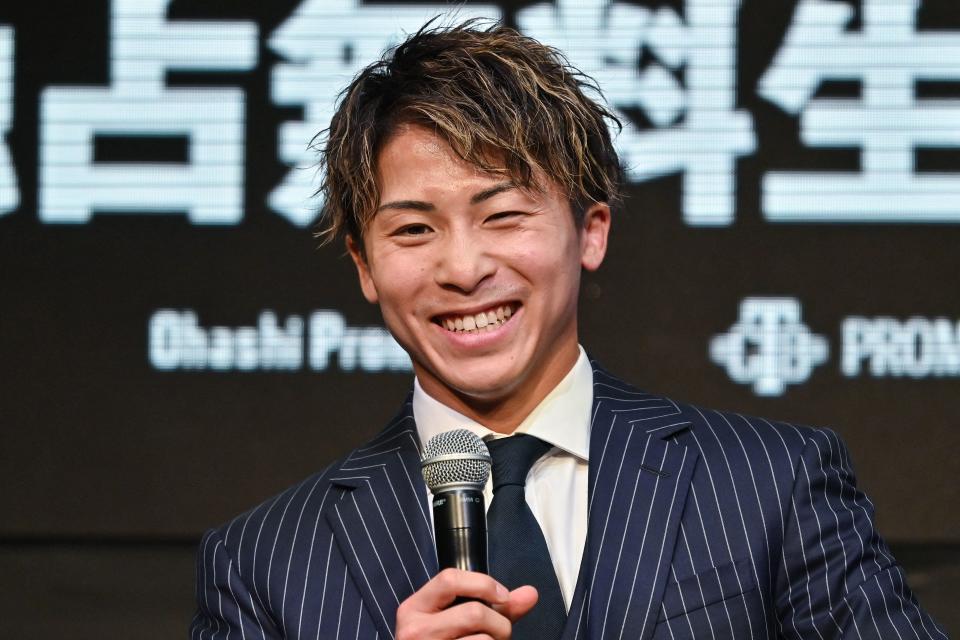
(455, 466)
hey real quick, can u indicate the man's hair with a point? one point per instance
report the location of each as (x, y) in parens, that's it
(504, 102)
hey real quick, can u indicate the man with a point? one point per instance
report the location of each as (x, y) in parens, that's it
(472, 176)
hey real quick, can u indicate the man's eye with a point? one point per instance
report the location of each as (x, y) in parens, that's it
(413, 230)
(503, 215)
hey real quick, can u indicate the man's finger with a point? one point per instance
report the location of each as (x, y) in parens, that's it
(472, 618)
(450, 584)
(522, 600)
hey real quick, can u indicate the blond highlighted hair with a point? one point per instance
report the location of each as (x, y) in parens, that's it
(504, 102)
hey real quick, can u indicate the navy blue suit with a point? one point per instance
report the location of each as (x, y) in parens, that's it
(701, 525)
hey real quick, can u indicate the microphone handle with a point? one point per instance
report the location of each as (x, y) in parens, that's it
(460, 529)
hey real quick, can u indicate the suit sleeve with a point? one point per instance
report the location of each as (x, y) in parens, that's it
(837, 576)
(226, 607)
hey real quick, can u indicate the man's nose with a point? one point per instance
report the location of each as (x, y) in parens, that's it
(464, 263)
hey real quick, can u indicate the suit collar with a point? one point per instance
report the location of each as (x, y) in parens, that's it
(652, 414)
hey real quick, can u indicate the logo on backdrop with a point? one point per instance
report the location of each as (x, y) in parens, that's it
(178, 342)
(675, 68)
(770, 348)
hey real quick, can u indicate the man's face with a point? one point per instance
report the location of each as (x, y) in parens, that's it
(476, 279)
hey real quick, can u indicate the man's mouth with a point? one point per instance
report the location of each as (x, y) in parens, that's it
(486, 320)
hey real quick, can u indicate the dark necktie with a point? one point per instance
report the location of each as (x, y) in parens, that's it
(518, 550)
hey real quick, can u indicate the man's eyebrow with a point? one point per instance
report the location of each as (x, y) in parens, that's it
(417, 205)
(420, 205)
(486, 194)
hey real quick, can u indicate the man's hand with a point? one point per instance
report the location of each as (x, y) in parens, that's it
(425, 615)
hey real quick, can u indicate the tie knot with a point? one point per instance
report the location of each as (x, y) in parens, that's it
(512, 458)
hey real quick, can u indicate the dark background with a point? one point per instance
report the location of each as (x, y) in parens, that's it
(110, 470)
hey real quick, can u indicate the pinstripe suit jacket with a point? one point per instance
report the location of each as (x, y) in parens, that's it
(701, 525)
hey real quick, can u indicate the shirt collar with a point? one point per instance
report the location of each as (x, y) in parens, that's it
(562, 418)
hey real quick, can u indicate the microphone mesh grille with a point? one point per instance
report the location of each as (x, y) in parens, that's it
(437, 473)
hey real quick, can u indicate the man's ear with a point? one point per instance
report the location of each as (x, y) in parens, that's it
(593, 235)
(363, 270)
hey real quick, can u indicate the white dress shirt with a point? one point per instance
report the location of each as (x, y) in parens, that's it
(556, 488)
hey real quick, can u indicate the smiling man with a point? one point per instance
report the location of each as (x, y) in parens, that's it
(472, 175)
(476, 276)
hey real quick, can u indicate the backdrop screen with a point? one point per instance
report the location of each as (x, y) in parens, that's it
(175, 347)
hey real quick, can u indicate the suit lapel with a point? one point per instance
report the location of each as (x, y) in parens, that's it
(638, 485)
(380, 521)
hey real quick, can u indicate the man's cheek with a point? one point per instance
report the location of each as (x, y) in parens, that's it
(399, 325)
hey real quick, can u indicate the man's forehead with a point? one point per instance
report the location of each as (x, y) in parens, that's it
(410, 139)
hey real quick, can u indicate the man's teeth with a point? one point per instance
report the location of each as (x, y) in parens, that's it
(483, 321)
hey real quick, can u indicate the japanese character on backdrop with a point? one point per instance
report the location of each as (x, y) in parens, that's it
(209, 186)
(9, 193)
(887, 122)
(697, 132)
(324, 44)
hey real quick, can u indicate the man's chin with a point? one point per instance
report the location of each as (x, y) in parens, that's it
(485, 388)
(478, 388)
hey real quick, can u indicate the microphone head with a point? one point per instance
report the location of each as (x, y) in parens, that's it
(457, 458)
